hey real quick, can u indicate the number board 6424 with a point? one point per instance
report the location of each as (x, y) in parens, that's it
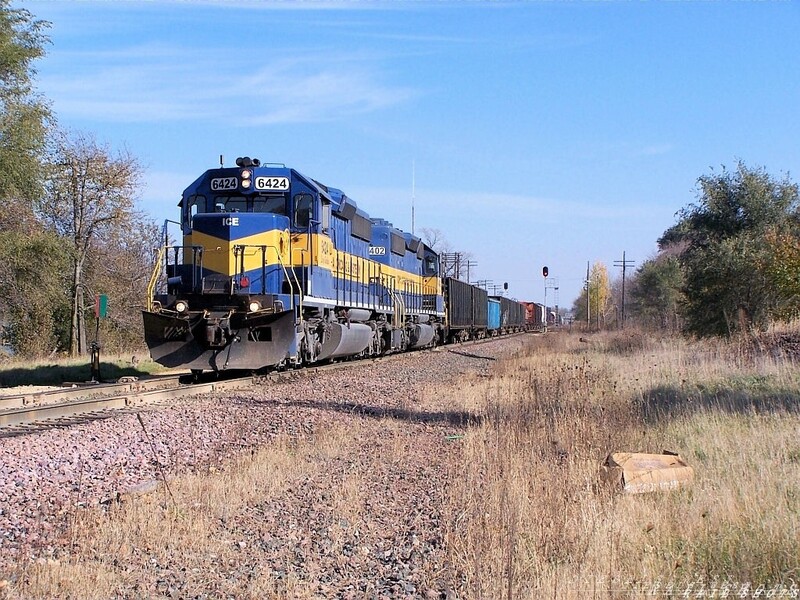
(272, 183)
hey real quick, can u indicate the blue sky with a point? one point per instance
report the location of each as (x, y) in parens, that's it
(540, 133)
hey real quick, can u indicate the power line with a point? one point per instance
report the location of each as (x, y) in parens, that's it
(624, 264)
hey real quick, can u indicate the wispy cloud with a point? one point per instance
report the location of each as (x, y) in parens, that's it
(516, 209)
(155, 83)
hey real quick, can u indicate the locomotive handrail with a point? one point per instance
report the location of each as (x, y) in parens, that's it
(151, 286)
(264, 247)
(399, 309)
(196, 250)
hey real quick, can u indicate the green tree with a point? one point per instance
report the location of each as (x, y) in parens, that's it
(783, 270)
(724, 249)
(24, 116)
(33, 281)
(31, 259)
(656, 296)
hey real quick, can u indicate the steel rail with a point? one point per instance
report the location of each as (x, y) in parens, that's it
(50, 406)
(86, 390)
(71, 408)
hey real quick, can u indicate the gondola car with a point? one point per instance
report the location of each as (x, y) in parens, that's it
(467, 310)
(512, 314)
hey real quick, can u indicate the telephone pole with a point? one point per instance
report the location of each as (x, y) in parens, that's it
(624, 264)
(470, 264)
(588, 295)
(413, 191)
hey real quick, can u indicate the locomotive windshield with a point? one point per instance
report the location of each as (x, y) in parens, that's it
(260, 204)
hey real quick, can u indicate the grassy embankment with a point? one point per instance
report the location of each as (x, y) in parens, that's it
(528, 520)
(57, 371)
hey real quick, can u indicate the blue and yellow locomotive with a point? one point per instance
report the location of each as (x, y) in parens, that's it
(276, 269)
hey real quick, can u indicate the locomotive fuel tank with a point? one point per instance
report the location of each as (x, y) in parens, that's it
(345, 339)
(422, 335)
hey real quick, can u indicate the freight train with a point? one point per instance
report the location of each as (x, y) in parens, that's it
(276, 269)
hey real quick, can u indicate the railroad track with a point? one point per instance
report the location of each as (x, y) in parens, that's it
(28, 412)
(60, 405)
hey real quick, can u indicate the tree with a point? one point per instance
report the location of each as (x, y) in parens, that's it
(725, 249)
(783, 271)
(24, 116)
(598, 294)
(31, 259)
(120, 266)
(435, 239)
(454, 263)
(89, 196)
(656, 296)
(33, 271)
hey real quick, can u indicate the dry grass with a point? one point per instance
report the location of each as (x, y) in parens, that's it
(527, 519)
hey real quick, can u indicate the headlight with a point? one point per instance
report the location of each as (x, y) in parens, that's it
(246, 174)
(245, 183)
(181, 306)
(254, 306)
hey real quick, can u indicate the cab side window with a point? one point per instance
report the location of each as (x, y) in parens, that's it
(326, 215)
(430, 266)
(194, 204)
(303, 207)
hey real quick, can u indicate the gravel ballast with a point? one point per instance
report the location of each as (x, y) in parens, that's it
(396, 549)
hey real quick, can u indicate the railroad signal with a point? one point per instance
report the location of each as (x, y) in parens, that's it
(101, 306)
(545, 271)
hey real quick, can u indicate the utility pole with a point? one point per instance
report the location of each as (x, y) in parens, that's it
(470, 263)
(624, 264)
(588, 290)
(451, 264)
(413, 192)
